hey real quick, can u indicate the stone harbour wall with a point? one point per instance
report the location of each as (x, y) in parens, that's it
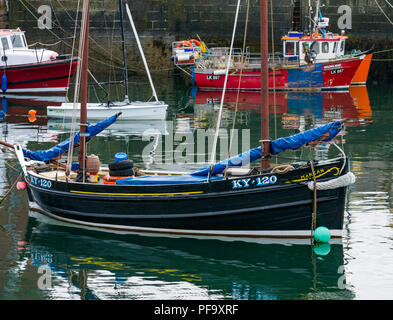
(160, 22)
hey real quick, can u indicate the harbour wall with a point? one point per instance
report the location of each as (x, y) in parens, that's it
(160, 22)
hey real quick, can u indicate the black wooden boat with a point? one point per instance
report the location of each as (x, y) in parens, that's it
(219, 201)
(255, 205)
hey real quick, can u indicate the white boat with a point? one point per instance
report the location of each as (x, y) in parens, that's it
(154, 110)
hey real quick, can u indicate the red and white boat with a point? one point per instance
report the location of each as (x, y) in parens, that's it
(34, 71)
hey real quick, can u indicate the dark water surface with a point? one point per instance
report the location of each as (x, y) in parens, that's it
(87, 264)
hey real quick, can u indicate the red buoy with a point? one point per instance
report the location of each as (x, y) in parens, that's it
(21, 185)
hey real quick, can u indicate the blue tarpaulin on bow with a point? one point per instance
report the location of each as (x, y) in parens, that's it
(301, 139)
(276, 146)
(236, 161)
(54, 152)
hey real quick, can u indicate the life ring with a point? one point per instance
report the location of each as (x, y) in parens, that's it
(195, 42)
(184, 43)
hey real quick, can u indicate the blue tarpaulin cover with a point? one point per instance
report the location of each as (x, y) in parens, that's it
(300, 139)
(279, 145)
(164, 179)
(276, 146)
(236, 161)
(54, 152)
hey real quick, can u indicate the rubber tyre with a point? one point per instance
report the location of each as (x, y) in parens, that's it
(121, 165)
(122, 173)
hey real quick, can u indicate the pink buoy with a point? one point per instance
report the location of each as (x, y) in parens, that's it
(21, 185)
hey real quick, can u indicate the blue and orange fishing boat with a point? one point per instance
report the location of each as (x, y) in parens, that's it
(312, 59)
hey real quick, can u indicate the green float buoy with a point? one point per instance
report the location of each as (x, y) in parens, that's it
(322, 249)
(322, 234)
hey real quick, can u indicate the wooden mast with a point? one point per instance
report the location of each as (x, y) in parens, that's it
(84, 79)
(265, 144)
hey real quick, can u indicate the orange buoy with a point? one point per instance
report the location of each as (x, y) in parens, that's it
(32, 119)
(32, 112)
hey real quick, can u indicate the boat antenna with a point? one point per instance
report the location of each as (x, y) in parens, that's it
(310, 17)
(265, 142)
(125, 73)
(141, 51)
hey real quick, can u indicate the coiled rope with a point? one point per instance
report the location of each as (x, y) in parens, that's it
(343, 181)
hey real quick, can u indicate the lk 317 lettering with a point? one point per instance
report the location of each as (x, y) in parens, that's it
(254, 182)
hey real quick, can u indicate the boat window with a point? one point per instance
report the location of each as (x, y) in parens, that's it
(335, 47)
(17, 41)
(24, 41)
(325, 47)
(342, 46)
(290, 48)
(306, 47)
(315, 47)
(4, 43)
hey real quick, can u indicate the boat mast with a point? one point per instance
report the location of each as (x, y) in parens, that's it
(141, 51)
(125, 74)
(84, 78)
(265, 143)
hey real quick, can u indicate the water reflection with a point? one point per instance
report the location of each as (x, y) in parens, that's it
(92, 265)
(294, 107)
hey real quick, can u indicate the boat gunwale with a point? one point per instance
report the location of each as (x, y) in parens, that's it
(171, 192)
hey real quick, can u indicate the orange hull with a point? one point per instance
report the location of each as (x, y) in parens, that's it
(361, 74)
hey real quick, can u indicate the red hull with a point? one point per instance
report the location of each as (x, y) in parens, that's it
(52, 77)
(335, 75)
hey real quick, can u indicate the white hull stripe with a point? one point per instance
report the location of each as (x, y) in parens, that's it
(57, 89)
(292, 234)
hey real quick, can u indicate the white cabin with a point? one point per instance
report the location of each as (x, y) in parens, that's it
(15, 51)
(318, 47)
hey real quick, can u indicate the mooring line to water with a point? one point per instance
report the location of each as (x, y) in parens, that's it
(10, 189)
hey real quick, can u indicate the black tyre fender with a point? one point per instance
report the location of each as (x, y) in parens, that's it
(121, 165)
(122, 173)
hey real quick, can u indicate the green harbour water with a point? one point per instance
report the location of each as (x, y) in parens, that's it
(90, 265)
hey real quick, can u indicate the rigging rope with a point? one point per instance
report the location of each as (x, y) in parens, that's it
(77, 89)
(214, 151)
(238, 89)
(380, 8)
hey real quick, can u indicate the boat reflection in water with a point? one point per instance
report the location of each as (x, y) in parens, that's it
(86, 264)
(16, 108)
(118, 129)
(294, 106)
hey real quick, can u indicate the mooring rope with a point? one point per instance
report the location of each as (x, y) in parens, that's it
(10, 189)
(314, 213)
